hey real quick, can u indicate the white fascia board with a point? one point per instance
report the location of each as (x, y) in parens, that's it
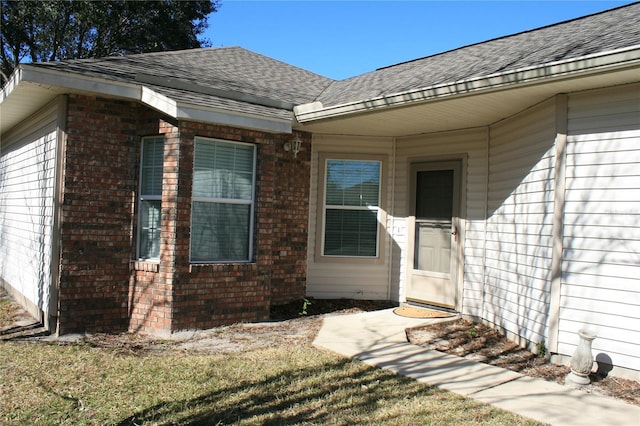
(159, 102)
(78, 83)
(81, 83)
(197, 113)
(11, 85)
(73, 82)
(153, 99)
(576, 67)
(99, 86)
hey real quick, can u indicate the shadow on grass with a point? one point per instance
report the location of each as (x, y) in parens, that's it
(314, 395)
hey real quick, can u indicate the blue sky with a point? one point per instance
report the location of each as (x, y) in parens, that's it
(341, 39)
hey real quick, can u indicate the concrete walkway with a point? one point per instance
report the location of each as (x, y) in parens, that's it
(378, 338)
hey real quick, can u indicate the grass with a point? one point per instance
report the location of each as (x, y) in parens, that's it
(80, 384)
(54, 384)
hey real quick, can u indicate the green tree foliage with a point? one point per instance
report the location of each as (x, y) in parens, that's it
(53, 30)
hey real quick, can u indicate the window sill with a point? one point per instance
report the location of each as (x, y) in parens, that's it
(146, 265)
(237, 266)
(353, 260)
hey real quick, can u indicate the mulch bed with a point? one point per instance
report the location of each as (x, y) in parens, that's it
(468, 339)
(311, 307)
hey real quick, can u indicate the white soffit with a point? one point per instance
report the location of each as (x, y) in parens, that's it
(471, 103)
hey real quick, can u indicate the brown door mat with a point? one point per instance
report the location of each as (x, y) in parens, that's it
(413, 312)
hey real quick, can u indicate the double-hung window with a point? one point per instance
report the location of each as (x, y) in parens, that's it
(150, 197)
(351, 208)
(223, 201)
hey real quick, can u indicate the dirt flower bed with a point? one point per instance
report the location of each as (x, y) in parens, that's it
(291, 324)
(471, 340)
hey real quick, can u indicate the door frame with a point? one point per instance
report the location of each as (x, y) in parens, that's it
(457, 268)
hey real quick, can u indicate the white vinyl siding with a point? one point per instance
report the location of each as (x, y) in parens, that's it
(519, 222)
(348, 277)
(27, 189)
(601, 256)
(470, 145)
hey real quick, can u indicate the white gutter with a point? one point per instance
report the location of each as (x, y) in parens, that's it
(54, 79)
(585, 65)
(198, 113)
(180, 84)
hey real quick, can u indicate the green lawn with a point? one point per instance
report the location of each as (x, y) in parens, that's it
(79, 384)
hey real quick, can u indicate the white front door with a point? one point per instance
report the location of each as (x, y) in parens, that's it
(434, 223)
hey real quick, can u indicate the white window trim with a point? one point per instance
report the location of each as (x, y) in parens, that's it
(320, 257)
(141, 198)
(251, 203)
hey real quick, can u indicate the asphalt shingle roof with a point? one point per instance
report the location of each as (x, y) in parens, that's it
(221, 103)
(227, 69)
(605, 31)
(212, 73)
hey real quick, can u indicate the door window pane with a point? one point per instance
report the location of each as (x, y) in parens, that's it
(434, 211)
(434, 195)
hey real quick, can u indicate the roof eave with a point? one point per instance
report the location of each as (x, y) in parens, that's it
(570, 68)
(193, 112)
(56, 82)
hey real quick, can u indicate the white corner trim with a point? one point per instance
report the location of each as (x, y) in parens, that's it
(557, 247)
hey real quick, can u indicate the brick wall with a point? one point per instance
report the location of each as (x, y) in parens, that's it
(290, 214)
(96, 213)
(151, 283)
(103, 288)
(149, 309)
(209, 295)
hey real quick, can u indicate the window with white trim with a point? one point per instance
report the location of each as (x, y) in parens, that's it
(351, 208)
(150, 197)
(223, 201)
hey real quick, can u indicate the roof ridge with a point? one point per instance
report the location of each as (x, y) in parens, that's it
(133, 55)
(579, 18)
